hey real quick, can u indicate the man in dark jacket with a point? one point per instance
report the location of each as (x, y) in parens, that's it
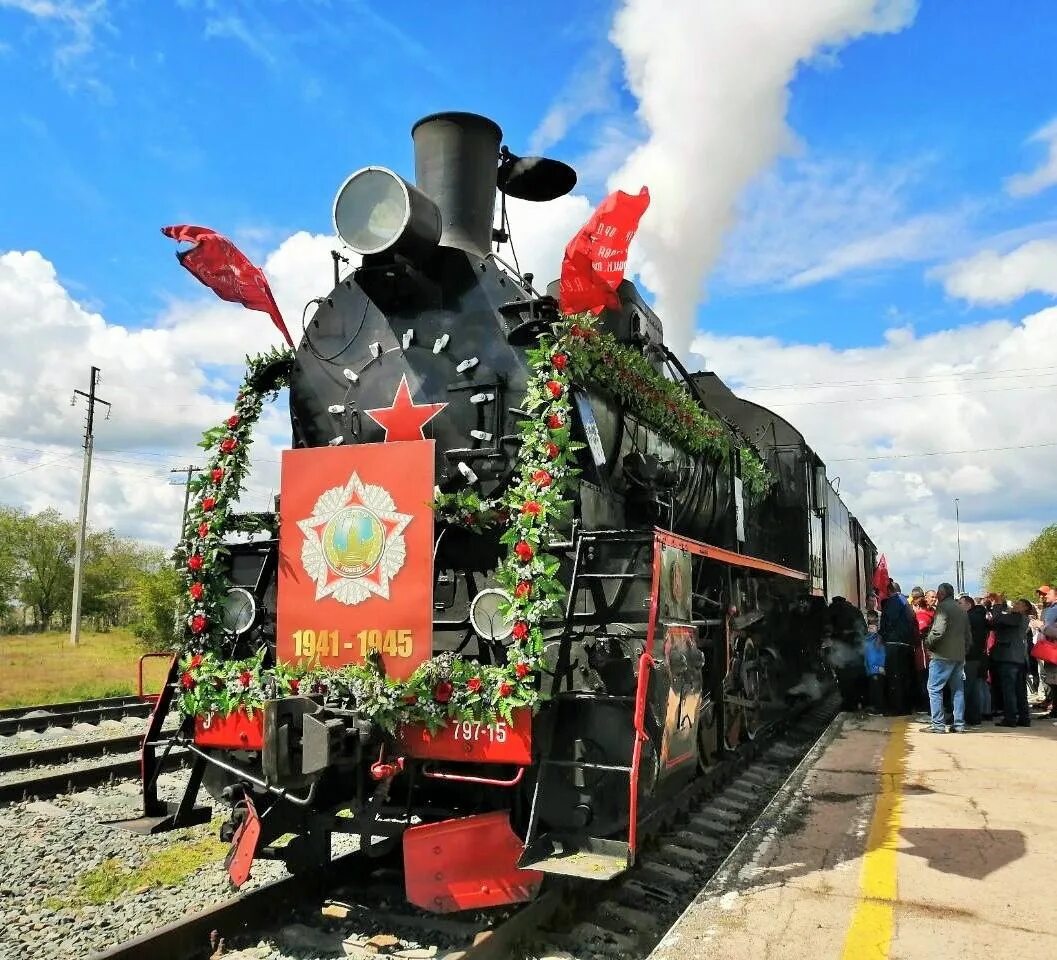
(947, 642)
(974, 658)
(1009, 656)
(899, 632)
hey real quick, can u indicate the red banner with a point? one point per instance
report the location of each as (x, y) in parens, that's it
(881, 578)
(597, 256)
(226, 270)
(356, 555)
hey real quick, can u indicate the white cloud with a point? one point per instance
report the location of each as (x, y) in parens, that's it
(1044, 175)
(990, 277)
(166, 383)
(712, 80)
(588, 91)
(878, 416)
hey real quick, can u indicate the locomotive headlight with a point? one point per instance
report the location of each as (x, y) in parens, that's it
(239, 611)
(485, 617)
(377, 210)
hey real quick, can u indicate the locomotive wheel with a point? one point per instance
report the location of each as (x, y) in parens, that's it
(754, 684)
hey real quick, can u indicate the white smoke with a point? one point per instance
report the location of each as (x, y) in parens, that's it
(712, 81)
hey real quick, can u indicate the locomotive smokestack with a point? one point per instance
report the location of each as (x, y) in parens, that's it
(456, 160)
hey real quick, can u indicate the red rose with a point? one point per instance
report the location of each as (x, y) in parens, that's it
(524, 551)
(295, 685)
(226, 446)
(208, 503)
(577, 331)
(553, 388)
(474, 684)
(521, 630)
(552, 450)
(196, 590)
(555, 422)
(522, 670)
(245, 678)
(196, 662)
(217, 475)
(198, 623)
(203, 530)
(233, 421)
(560, 361)
(411, 699)
(187, 682)
(442, 691)
(523, 589)
(531, 508)
(505, 689)
(194, 562)
(541, 478)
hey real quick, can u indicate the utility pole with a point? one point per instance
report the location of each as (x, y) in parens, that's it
(959, 570)
(188, 470)
(78, 561)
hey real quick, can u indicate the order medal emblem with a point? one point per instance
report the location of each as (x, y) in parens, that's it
(354, 542)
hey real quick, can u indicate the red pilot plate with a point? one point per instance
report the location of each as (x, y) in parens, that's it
(472, 741)
(236, 731)
(356, 555)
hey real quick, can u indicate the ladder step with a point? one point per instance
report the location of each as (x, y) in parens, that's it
(614, 576)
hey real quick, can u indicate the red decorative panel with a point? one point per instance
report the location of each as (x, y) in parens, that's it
(471, 741)
(236, 731)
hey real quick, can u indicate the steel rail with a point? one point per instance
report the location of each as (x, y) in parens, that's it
(64, 781)
(68, 706)
(67, 718)
(46, 756)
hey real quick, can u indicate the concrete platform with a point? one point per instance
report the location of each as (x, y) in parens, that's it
(889, 842)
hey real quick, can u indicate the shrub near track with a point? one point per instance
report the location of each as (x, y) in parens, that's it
(44, 668)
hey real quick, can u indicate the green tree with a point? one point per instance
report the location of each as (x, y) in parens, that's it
(113, 566)
(1018, 573)
(157, 593)
(10, 518)
(44, 547)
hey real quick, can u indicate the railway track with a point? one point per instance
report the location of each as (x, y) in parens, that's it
(39, 773)
(39, 718)
(689, 839)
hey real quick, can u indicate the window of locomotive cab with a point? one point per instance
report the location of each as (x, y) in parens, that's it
(371, 211)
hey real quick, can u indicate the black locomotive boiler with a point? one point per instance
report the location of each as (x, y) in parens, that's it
(672, 641)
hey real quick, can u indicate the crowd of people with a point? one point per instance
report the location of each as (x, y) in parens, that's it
(959, 660)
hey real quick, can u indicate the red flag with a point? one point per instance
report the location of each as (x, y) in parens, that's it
(595, 258)
(881, 578)
(225, 269)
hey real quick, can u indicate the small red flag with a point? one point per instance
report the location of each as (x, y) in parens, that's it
(881, 578)
(225, 269)
(595, 258)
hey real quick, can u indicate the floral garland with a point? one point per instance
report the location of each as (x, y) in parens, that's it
(666, 405)
(446, 688)
(211, 517)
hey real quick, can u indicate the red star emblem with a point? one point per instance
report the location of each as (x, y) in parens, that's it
(405, 419)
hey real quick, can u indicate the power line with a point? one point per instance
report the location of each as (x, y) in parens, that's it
(913, 396)
(821, 384)
(942, 453)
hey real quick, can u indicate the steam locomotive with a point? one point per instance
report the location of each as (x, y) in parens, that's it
(674, 640)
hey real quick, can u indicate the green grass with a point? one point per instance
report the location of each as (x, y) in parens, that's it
(165, 868)
(44, 668)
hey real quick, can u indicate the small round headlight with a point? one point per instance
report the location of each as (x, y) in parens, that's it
(485, 617)
(377, 210)
(240, 610)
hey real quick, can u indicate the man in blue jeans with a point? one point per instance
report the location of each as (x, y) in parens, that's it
(947, 642)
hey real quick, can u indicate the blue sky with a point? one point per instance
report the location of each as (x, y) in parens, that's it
(835, 198)
(209, 113)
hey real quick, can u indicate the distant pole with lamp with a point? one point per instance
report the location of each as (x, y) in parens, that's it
(959, 569)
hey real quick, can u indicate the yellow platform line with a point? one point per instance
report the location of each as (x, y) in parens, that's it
(870, 934)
